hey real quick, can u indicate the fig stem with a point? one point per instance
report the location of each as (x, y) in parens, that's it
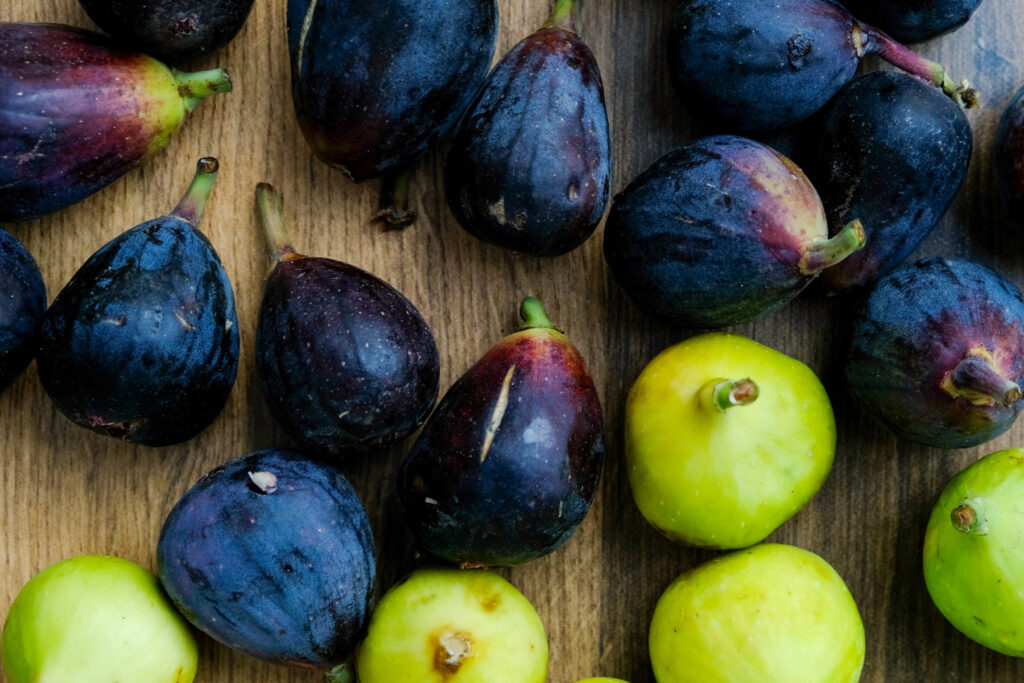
(897, 54)
(343, 673)
(828, 251)
(191, 206)
(197, 86)
(723, 394)
(271, 206)
(969, 517)
(561, 15)
(393, 209)
(533, 314)
(977, 380)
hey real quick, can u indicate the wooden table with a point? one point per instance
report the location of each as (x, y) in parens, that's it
(69, 491)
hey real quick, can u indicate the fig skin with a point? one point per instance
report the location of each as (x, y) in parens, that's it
(1008, 153)
(718, 232)
(938, 353)
(893, 152)
(347, 363)
(914, 21)
(173, 30)
(22, 305)
(60, 85)
(528, 169)
(972, 559)
(142, 344)
(506, 468)
(272, 554)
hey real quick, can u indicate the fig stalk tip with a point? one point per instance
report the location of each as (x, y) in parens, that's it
(976, 379)
(969, 517)
(533, 314)
(827, 252)
(191, 206)
(343, 673)
(197, 86)
(727, 393)
(271, 207)
(561, 15)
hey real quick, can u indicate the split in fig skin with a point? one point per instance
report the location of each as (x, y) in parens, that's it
(1009, 158)
(22, 305)
(913, 21)
(529, 167)
(142, 344)
(347, 363)
(506, 468)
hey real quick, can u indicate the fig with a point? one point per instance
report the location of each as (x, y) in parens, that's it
(938, 353)
(506, 468)
(271, 554)
(893, 152)
(973, 565)
(913, 21)
(1008, 155)
(720, 231)
(171, 29)
(453, 625)
(347, 363)
(754, 66)
(61, 85)
(528, 169)
(726, 439)
(22, 305)
(142, 343)
(771, 614)
(96, 619)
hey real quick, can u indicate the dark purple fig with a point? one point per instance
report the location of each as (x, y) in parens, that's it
(61, 86)
(508, 464)
(1009, 157)
(22, 304)
(272, 554)
(346, 362)
(142, 343)
(171, 29)
(719, 232)
(912, 21)
(528, 169)
(938, 353)
(893, 152)
(756, 66)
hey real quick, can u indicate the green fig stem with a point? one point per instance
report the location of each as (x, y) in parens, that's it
(343, 673)
(828, 251)
(191, 206)
(976, 379)
(393, 209)
(561, 16)
(196, 87)
(871, 40)
(533, 315)
(271, 206)
(969, 517)
(722, 394)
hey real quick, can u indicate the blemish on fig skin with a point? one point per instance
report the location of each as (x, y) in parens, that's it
(263, 482)
(500, 406)
(451, 649)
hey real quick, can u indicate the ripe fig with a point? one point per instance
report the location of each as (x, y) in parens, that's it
(913, 21)
(726, 439)
(142, 343)
(528, 169)
(973, 565)
(22, 305)
(756, 66)
(771, 614)
(453, 625)
(272, 554)
(508, 464)
(938, 353)
(347, 363)
(1008, 152)
(61, 85)
(96, 619)
(893, 152)
(171, 29)
(718, 232)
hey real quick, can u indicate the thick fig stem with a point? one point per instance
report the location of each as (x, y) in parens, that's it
(827, 252)
(722, 394)
(271, 206)
(343, 673)
(969, 517)
(977, 380)
(191, 206)
(561, 16)
(533, 315)
(393, 209)
(196, 87)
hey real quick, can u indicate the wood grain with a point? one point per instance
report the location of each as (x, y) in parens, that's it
(69, 492)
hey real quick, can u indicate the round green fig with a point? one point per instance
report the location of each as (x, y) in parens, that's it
(973, 560)
(96, 619)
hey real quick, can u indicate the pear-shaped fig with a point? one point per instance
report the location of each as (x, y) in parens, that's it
(938, 353)
(142, 343)
(61, 86)
(718, 232)
(508, 464)
(171, 29)
(755, 66)
(272, 554)
(892, 151)
(913, 21)
(346, 362)
(1008, 152)
(528, 169)
(22, 305)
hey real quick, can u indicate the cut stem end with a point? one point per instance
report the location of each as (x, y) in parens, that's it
(191, 206)
(723, 394)
(196, 87)
(969, 517)
(393, 210)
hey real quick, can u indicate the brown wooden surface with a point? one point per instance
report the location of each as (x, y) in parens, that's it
(67, 491)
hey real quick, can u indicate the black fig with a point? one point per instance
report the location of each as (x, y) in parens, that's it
(912, 21)
(22, 304)
(1009, 157)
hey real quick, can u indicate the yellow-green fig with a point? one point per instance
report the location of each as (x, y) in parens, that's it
(726, 439)
(768, 614)
(96, 619)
